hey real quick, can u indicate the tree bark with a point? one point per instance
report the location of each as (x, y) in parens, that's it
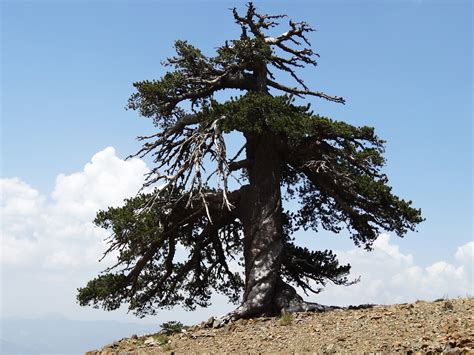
(260, 214)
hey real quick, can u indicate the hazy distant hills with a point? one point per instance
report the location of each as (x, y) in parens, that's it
(57, 335)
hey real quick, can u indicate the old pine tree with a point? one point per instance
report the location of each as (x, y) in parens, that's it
(331, 167)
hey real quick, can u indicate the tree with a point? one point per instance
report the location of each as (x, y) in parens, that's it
(331, 167)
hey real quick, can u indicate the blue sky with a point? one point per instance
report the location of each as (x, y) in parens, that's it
(404, 67)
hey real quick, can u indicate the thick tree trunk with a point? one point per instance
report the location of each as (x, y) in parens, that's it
(261, 215)
(261, 218)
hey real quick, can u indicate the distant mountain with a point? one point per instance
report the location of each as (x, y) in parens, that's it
(57, 335)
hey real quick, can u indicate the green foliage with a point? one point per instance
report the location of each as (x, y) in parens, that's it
(300, 265)
(256, 113)
(105, 290)
(161, 339)
(158, 99)
(172, 327)
(189, 60)
(133, 227)
(244, 50)
(150, 91)
(364, 203)
(444, 298)
(448, 306)
(163, 281)
(286, 319)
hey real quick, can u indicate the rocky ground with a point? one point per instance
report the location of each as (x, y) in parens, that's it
(426, 327)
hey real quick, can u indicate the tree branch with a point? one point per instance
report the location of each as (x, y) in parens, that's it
(299, 92)
(175, 221)
(241, 164)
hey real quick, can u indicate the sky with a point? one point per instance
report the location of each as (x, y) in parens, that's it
(67, 68)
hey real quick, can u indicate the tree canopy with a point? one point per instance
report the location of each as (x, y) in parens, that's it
(333, 169)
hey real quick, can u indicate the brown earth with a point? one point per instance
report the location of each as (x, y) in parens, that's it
(426, 327)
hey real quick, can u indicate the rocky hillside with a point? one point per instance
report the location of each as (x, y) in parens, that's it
(427, 327)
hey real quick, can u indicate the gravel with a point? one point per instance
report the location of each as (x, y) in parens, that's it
(443, 326)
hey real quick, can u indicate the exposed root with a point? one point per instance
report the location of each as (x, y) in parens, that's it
(286, 300)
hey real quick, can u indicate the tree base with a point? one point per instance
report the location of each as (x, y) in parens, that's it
(286, 300)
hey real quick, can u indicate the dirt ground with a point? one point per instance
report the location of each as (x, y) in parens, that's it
(426, 327)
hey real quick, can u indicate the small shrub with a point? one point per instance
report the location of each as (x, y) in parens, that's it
(286, 319)
(448, 306)
(444, 298)
(172, 327)
(161, 339)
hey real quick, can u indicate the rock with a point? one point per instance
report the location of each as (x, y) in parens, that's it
(330, 347)
(115, 344)
(208, 323)
(455, 335)
(134, 337)
(150, 342)
(218, 323)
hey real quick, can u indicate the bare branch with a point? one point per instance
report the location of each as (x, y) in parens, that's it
(299, 92)
(241, 164)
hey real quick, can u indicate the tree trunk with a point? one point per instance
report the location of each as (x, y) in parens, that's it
(261, 215)
(261, 218)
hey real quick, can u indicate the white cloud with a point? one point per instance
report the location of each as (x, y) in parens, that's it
(105, 181)
(57, 232)
(465, 254)
(49, 245)
(390, 276)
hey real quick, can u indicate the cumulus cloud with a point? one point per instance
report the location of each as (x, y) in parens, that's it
(390, 276)
(465, 254)
(49, 245)
(56, 231)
